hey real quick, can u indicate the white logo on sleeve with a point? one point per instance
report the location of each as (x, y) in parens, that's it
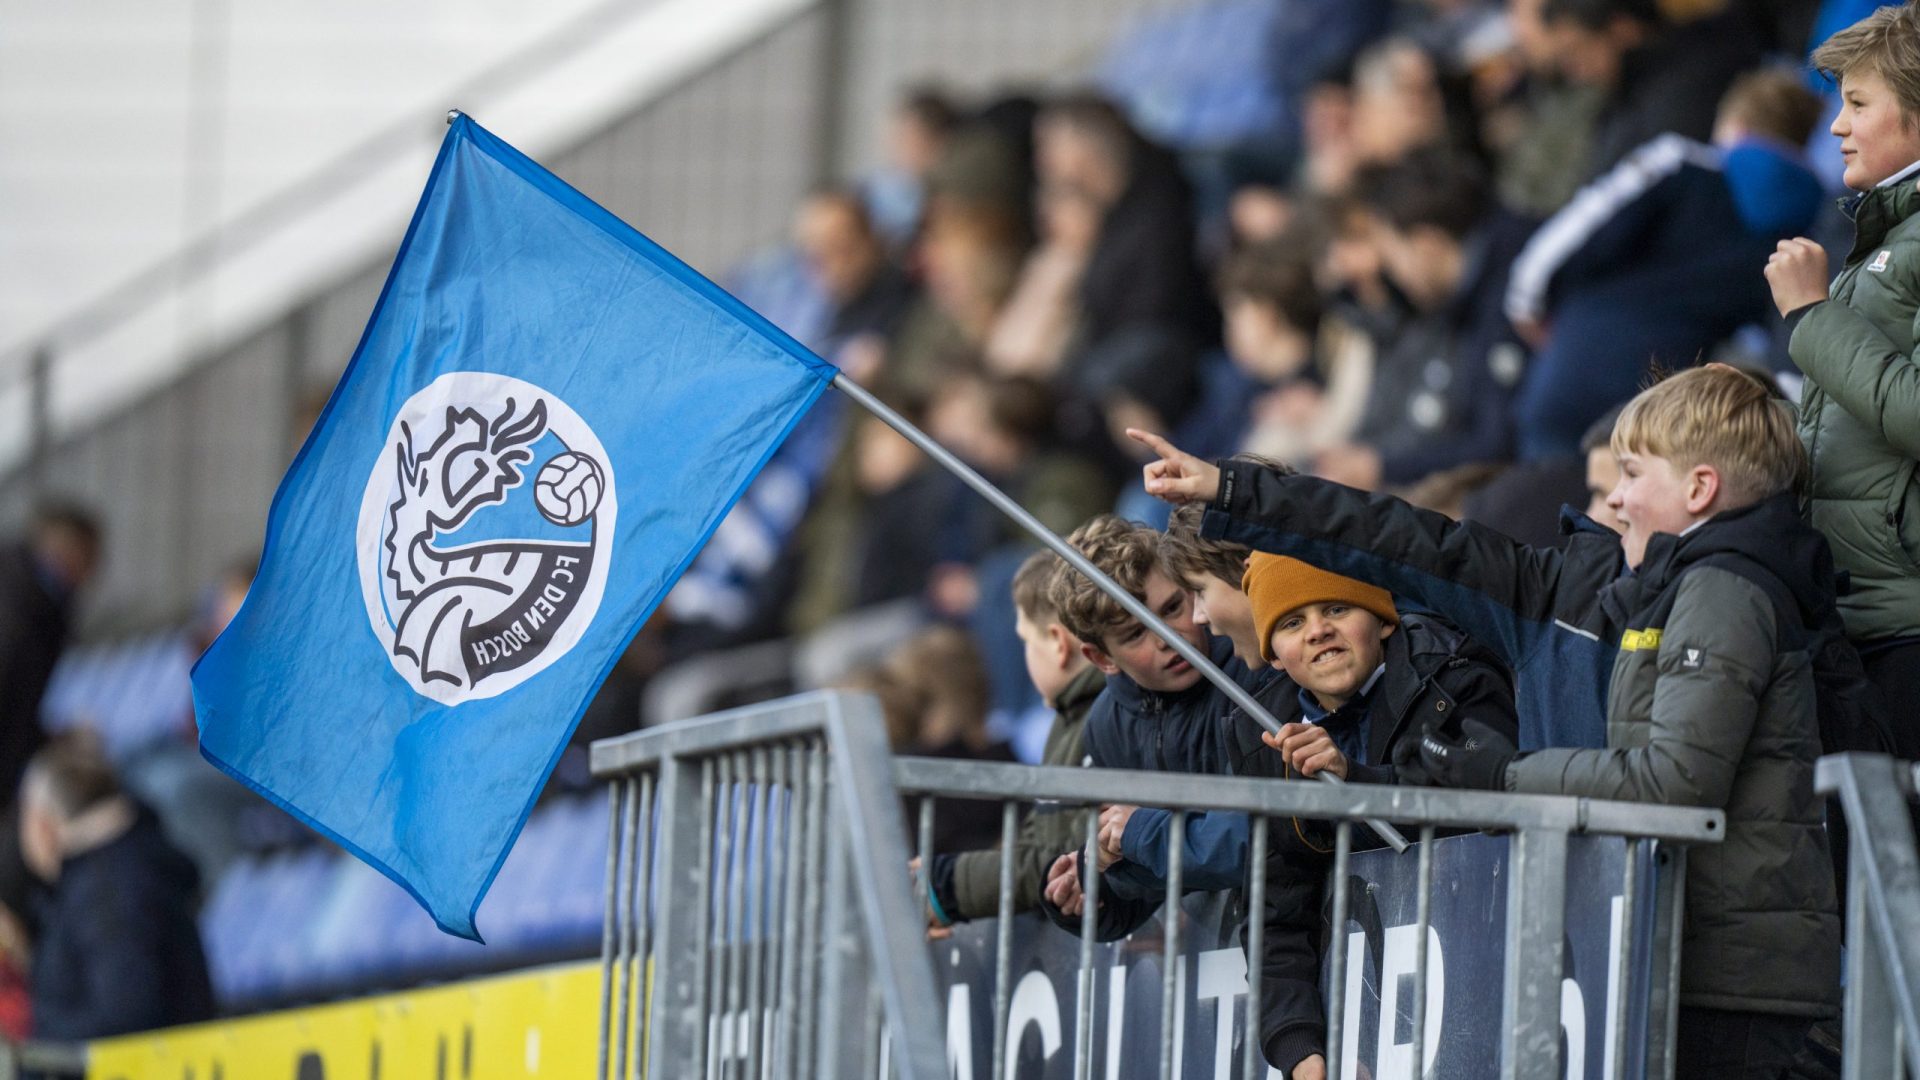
(1692, 660)
(483, 535)
(1879, 263)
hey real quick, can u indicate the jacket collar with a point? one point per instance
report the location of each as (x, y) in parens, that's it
(1876, 212)
(1416, 652)
(1081, 692)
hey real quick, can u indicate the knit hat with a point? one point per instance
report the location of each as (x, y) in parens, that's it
(1277, 585)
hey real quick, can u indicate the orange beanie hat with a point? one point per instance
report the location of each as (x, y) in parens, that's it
(1276, 585)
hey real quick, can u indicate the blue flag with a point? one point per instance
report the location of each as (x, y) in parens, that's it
(546, 418)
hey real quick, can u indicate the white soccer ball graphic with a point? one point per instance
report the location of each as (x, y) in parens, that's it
(568, 488)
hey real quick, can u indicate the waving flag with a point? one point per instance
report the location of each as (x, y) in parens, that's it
(547, 416)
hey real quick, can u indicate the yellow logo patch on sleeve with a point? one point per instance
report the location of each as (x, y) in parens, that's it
(1635, 640)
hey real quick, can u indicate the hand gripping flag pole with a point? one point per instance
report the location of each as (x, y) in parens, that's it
(1200, 661)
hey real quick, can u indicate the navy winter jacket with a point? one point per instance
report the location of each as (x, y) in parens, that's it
(1653, 263)
(1537, 609)
(119, 950)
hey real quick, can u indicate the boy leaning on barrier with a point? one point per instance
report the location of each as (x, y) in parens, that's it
(1711, 700)
(1160, 714)
(1157, 713)
(1372, 681)
(967, 885)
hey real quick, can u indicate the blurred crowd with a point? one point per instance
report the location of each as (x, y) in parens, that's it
(1460, 236)
(1453, 239)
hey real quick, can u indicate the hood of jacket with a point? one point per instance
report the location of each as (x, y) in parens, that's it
(1770, 532)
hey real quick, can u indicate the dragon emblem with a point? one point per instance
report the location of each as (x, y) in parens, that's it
(488, 539)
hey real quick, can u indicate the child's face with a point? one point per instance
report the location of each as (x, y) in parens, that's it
(1603, 475)
(1651, 497)
(1425, 263)
(1261, 342)
(1330, 649)
(1223, 609)
(1052, 655)
(1143, 657)
(1876, 137)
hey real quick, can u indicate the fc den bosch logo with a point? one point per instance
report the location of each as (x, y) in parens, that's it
(483, 535)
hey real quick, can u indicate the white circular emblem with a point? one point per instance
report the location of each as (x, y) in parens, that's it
(484, 534)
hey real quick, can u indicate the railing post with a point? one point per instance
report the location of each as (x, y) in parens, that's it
(1536, 928)
(1663, 967)
(1871, 1029)
(895, 928)
(1883, 907)
(676, 1024)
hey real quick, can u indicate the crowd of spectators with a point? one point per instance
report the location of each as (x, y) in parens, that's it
(1466, 233)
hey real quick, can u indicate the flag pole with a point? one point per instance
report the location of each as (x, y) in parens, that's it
(1200, 661)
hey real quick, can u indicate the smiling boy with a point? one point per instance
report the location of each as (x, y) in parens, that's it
(1372, 682)
(1856, 341)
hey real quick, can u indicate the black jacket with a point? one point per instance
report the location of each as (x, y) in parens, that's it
(1443, 389)
(119, 950)
(1536, 609)
(1435, 676)
(1673, 83)
(33, 632)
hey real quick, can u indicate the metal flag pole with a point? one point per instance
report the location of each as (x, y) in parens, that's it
(1201, 662)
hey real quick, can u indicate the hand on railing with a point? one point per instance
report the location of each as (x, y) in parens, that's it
(1315, 1068)
(1477, 758)
(938, 928)
(1113, 827)
(1063, 885)
(1308, 748)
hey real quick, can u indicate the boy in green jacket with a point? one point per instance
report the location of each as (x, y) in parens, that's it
(1860, 409)
(967, 885)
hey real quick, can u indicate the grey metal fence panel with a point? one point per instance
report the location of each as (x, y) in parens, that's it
(797, 799)
(1881, 1030)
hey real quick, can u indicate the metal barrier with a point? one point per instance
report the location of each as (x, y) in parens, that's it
(1881, 1030)
(1535, 895)
(761, 896)
(42, 1061)
(759, 915)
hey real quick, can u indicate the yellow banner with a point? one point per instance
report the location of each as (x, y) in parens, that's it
(541, 1023)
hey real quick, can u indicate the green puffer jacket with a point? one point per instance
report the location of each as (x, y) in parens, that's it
(1712, 704)
(1860, 414)
(968, 884)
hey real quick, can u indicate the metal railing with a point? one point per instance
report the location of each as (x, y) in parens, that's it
(759, 917)
(1881, 1030)
(1536, 893)
(42, 1060)
(746, 831)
